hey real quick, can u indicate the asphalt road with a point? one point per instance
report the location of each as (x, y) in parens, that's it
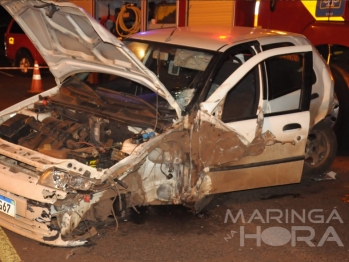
(301, 222)
(15, 86)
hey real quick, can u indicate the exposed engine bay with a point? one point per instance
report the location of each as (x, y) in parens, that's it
(89, 144)
(81, 133)
(73, 125)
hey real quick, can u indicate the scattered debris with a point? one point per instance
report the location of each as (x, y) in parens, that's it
(71, 253)
(328, 176)
(331, 175)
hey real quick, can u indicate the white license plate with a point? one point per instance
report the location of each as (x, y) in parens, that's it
(7, 206)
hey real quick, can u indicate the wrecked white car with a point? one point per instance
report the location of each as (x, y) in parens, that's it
(170, 116)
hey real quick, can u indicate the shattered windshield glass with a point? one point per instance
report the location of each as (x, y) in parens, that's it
(179, 68)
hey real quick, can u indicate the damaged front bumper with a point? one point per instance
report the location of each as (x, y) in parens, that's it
(45, 214)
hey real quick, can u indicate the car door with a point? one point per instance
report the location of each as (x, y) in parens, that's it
(252, 130)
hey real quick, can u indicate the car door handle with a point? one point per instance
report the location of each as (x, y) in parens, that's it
(291, 126)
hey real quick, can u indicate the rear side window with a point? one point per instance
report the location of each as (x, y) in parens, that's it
(285, 74)
(289, 82)
(16, 29)
(284, 44)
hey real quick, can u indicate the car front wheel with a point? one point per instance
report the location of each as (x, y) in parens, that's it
(321, 149)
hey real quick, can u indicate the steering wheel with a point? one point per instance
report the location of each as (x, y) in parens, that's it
(237, 59)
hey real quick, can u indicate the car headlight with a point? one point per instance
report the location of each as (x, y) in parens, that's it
(62, 179)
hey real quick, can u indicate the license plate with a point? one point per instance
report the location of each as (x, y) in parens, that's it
(7, 206)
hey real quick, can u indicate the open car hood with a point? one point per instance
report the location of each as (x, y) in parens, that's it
(71, 41)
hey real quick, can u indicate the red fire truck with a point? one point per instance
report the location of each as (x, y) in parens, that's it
(20, 50)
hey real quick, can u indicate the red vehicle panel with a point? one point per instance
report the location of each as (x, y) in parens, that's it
(293, 16)
(19, 49)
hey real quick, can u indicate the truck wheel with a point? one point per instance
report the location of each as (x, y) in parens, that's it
(340, 115)
(24, 60)
(321, 149)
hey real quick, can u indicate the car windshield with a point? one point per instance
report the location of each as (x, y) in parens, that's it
(180, 69)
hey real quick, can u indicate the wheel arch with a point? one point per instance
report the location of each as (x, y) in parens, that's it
(23, 50)
(334, 53)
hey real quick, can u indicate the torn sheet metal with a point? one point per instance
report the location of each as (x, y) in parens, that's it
(217, 145)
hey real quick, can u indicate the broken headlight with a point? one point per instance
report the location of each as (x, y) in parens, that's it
(62, 179)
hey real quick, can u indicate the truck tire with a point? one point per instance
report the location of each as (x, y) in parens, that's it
(340, 118)
(24, 60)
(321, 149)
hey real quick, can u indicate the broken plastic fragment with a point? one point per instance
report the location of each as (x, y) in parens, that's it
(328, 176)
(331, 175)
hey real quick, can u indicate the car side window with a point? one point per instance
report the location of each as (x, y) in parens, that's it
(285, 82)
(16, 29)
(232, 62)
(242, 101)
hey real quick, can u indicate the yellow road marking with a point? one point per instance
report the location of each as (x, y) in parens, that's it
(7, 251)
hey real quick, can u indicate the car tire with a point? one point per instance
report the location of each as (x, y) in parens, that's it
(321, 149)
(339, 123)
(24, 59)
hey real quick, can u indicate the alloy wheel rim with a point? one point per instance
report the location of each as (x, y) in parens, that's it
(24, 64)
(316, 149)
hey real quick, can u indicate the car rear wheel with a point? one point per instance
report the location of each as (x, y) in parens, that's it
(321, 149)
(25, 61)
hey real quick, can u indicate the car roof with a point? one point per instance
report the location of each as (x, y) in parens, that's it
(207, 37)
